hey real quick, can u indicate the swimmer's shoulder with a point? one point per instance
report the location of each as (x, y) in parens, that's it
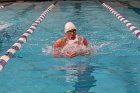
(60, 42)
(83, 40)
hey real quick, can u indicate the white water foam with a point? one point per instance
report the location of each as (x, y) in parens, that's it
(4, 25)
(48, 50)
(92, 48)
(101, 45)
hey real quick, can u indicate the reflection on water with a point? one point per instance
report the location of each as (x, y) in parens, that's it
(77, 8)
(81, 75)
(26, 10)
(135, 9)
(4, 36)
(84, 80)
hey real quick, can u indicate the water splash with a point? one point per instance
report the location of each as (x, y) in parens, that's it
(91, 48)
(4, 25)
(47, 50)
(101, 45)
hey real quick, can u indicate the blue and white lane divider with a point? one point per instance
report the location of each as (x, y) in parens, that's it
(133, 28)
(10, 52)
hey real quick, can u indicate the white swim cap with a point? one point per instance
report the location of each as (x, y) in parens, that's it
(69, 26)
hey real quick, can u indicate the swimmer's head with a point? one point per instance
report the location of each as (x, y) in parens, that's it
(70, 30)
(69, 26)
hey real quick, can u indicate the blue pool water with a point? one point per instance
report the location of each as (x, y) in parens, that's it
(113, 68)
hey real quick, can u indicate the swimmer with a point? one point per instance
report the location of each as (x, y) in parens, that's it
(71, 45)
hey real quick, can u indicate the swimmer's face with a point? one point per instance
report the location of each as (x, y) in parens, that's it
(71, 34)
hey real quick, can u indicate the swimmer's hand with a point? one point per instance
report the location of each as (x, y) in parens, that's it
(87, 53)
(71, 54)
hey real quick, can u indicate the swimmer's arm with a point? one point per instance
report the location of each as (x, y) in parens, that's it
(57, 50)
(57, 53)
(71, 55)
(85, 42)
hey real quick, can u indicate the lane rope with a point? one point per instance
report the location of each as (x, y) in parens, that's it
(16, 46)
(133, 28)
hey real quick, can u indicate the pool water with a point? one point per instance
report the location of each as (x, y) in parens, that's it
(113, 68)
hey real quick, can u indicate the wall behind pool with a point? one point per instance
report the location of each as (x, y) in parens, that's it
(63, 0)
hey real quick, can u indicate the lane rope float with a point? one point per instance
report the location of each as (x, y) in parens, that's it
(16, 46)
(133, 28)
